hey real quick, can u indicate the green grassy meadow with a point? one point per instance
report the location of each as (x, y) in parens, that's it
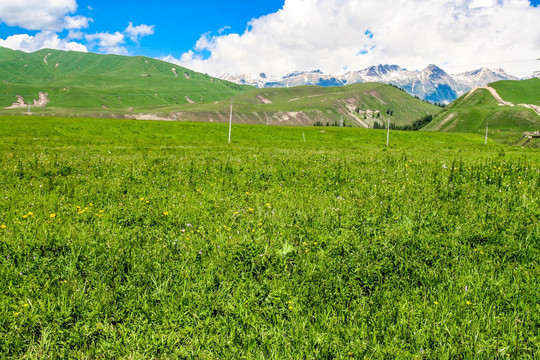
(144, 239)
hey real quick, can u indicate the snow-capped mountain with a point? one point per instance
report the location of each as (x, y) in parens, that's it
(431, 84)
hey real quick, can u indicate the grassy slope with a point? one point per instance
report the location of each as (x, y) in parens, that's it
(169, 243)
(519, 92)
(85, 80)
(470, 114)
(317, 104)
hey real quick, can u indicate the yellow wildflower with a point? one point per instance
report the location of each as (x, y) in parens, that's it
(166, 213)
(3, 226)
(52, 216)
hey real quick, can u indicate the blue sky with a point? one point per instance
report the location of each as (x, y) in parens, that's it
(177, 24)
(280, 36)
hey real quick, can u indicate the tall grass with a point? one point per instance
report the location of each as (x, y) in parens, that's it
(124, 239)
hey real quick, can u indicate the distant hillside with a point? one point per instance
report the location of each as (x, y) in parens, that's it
(75, 80)
(359, 105)
(507, 106)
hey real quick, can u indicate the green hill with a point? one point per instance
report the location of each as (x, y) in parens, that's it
(527, 91)
(472, 111)
(359, 105)
(79, 84)
(75, 80)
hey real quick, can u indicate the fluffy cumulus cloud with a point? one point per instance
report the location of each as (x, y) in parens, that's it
(135, 33)
(36, 14)
(335, 35)
(108, 43)
(41, 40)
(76, 22)
(51, 17)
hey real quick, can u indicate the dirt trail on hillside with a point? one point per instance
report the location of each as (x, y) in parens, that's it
(263, 100)
(501, 101)
(533, 107)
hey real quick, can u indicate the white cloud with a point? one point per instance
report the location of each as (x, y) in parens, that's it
(51, 17)
(336, 34)
(36, 14)
(76, 22)
(135, 33)
(41, 40)
(107, 42)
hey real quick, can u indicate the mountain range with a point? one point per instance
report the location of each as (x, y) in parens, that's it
(432, 84)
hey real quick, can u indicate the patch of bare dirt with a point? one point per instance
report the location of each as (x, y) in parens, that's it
(263, 100)
(189, 100)
(174, 72)
(42, 101)
(18, 104)
(445, 121)
(150, 117)
(376, 95)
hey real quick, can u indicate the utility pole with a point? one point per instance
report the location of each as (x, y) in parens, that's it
(230, 121)
(486, 131)
(388, 131)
